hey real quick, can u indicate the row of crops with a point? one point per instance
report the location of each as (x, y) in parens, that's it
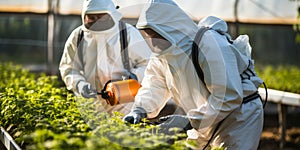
(39, 113)
(283, 78)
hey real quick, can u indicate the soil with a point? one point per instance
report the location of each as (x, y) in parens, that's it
(270, 139)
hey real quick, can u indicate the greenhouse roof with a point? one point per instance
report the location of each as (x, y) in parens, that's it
(250, 11)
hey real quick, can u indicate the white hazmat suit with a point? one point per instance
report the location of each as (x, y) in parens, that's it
(102, 53)
(171, 73)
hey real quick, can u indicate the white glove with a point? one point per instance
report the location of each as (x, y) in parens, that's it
(86, 90)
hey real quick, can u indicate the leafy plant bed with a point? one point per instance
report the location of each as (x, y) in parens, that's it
(40, 114)
(283, 78)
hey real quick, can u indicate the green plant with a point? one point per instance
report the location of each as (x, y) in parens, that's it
(40, 114)
(285, 78)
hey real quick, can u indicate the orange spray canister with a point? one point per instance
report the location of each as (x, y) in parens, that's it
(119, 92)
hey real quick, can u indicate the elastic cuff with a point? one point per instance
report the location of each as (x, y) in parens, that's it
(141, 111)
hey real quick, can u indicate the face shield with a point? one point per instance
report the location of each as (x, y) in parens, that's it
(98, 22)
(156, 42)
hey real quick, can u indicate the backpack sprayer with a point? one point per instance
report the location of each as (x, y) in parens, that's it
(120, 91)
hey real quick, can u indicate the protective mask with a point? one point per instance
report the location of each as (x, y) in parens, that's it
(100, 24)
(156, 42)
(158, 45)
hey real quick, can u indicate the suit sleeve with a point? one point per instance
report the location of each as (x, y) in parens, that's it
(154, 93)
(71, 69)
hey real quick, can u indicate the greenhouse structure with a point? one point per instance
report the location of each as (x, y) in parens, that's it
(33, 34)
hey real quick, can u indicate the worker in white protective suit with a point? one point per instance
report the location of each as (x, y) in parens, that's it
(85, 71)
(219, 110)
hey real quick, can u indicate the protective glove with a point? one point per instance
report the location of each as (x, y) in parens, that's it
(174, 121)
(86, 90)
(135, 116)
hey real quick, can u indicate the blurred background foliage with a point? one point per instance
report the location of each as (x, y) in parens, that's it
(284, 78)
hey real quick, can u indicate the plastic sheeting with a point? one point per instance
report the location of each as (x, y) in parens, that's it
(37, 6)
(254, 11)
(257, 11)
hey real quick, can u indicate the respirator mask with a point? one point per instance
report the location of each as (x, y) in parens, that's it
(98, 22)
(156, 42)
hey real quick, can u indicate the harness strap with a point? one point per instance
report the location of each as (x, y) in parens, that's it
(195, 52)
(251, 97)
(124, 45)
(80, 46)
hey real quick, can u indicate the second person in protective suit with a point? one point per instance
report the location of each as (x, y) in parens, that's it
(93, 53)
(218, 115)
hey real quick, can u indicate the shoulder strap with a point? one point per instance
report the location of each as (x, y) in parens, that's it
(124, 45)
(195, 59)
(195, 52)
(80, 46)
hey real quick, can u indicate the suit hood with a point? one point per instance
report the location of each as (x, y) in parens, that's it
(100, 6)
(214, 23)
(170, 21)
